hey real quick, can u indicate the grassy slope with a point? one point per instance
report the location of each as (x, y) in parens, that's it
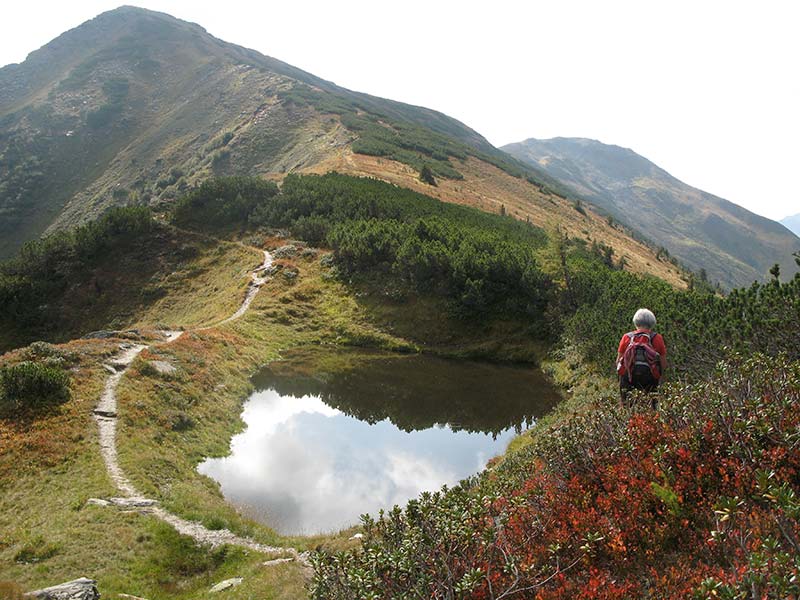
(172, 279)
(200, 106)
(131, 553)
(488, 188)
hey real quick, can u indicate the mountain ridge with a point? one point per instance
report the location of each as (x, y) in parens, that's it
(732, 245)
(139, 107)
(130, 70)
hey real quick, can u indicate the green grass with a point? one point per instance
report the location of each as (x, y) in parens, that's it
(211, 383)
(132, 553)
(51, 466)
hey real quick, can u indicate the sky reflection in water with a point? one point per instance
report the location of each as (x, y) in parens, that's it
(304, 467)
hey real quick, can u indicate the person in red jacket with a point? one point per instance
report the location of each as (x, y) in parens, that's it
(641, 367)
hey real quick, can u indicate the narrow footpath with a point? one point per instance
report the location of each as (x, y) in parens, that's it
(106, 416)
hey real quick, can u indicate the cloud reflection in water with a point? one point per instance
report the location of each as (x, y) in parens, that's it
(303, 467)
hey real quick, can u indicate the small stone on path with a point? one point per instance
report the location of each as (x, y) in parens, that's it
(224, 585)
(133, 502)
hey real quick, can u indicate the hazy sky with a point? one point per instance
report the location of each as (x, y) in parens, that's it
(708, 90)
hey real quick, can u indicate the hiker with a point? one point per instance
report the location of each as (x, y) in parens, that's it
(641, 357)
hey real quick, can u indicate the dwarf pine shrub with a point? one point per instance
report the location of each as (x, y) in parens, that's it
(30, 386)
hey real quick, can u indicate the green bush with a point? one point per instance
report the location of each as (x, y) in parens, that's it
(483, 264)
(44, 268)
(34, 550)
(30, 386)
(222, 203)
(699, 327)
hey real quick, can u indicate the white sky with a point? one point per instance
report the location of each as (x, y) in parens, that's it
(709, 90)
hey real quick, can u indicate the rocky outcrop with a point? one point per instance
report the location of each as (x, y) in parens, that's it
(105, 334)
(78, 589)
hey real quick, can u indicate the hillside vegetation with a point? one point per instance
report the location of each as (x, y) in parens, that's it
(698, 499)
(136, 107)
(109, 274)
(730, 244)
(592, 499)
(492, 190)
(583, 506)
(484, 264)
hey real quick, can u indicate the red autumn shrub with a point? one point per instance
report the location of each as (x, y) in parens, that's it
(699, 499)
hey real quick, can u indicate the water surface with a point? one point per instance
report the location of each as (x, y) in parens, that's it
(336, 434)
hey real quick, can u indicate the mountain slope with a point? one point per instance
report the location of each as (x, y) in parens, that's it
(134, 98)
(792, 223)
(733, 245)
(136, 107)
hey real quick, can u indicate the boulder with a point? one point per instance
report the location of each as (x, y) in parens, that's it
(164, 367)
(224, 585)
(78, 589)
(103, 334)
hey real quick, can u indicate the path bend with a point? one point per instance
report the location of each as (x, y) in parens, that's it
(105, 414)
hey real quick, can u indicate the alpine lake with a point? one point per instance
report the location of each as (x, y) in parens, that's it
(333, 434)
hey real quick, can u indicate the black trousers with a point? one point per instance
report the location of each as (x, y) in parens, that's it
(642, 380)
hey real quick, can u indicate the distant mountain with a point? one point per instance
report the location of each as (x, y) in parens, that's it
(733, 245)
(792, 223)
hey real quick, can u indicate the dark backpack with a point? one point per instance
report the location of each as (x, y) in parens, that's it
(640, 352)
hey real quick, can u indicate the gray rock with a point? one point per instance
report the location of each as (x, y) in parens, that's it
(224, 585)
(164, 367)
(327, 260)
(98, 502)
(108, 414)
(276, 561)
(103, 334)
(78, 589)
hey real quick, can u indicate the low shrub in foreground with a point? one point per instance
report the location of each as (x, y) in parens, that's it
(697, 500)
(31, 386)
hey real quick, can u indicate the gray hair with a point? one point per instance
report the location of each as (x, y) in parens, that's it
(644, 318)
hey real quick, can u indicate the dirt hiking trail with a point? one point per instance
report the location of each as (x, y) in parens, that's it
(106, 416)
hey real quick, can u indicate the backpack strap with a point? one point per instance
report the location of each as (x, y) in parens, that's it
(650, 334)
